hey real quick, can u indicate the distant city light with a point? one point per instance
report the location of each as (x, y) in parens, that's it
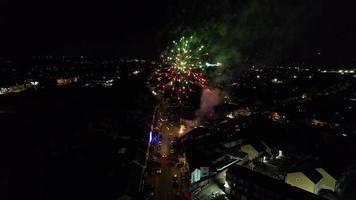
(14, 89)
(136, 72)
(213, 64)
(121, 150)
(34, 83)
(258, 76)
(276, 81)
(275, 116)
(344, 134)
(230, 115)
(65, 81)
(339, 71)
(108, 83)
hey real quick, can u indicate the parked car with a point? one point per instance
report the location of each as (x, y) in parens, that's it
(158, 171)
(175, 184)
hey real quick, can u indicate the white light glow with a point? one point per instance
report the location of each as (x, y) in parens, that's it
(34, 83)
(265, 159)
(213, 64)
(280, 154)
(181, 129)
(230, 115)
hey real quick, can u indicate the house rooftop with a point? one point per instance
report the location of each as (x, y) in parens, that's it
(313, 175)
(258, 146)
(280, 189)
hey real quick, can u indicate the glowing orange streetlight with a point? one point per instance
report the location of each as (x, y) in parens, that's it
(181, 130)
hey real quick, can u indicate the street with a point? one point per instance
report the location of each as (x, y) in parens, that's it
(163, 182)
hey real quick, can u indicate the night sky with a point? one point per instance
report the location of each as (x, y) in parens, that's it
(258, 31)
(81, 27)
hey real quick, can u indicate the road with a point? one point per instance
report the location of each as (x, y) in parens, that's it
(163, 183)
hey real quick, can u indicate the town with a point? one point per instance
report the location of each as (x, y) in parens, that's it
(274, 132)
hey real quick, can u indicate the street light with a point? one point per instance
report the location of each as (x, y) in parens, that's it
(150, 137)
(181, 130)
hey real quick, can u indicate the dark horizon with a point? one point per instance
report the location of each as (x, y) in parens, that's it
(141, 29)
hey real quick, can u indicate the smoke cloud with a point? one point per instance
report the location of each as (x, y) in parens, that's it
(208, 100)
(240, 34)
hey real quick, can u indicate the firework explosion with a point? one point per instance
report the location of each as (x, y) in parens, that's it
(183, 68)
